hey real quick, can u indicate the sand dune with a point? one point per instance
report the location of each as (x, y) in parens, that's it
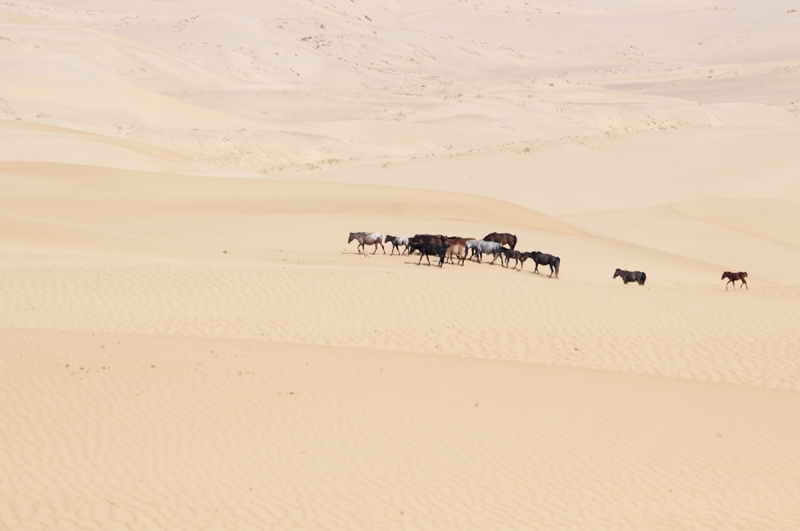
(394, 440)
(188, 341)
(769, 218)
(716, 336)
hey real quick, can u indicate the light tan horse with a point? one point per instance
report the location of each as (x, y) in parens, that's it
(367, 238)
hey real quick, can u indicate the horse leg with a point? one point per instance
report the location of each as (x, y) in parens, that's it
(382, 248)
(420, 257)
(745, 284)
(728, 282)
(428, 258)
(536, 269)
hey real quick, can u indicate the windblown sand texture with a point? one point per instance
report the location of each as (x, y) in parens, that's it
(187, 342)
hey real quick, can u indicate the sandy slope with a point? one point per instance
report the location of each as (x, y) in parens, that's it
(212, 433)
(185, 343)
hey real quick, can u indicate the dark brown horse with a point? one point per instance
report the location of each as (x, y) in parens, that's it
(733, 277)
(631, 276)
(503, 238)
(427, 238)
(432, 239)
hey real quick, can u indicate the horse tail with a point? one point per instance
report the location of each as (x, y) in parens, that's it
(513, 241)
(557, 265)
(644, 277)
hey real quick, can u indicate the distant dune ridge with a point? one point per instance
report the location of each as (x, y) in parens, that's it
(188, 341)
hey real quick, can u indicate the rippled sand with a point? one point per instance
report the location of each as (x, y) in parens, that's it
(188, 342)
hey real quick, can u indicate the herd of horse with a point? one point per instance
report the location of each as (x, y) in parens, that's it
(459, 250)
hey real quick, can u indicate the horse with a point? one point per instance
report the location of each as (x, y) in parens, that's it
(472, 245)
(511, 254)
(544, 259)
(452, 240)
(733, 277)
(427, 249)
(631, 276)
(427, 238)
(480, 246)
(433, 239)
(367, 238)
(503, 238)
(396, 242)
(457, 249)
(456, 239)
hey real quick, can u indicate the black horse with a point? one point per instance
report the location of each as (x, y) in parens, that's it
(631, 276)
(427, 249)
(543, 259)
(511, 254)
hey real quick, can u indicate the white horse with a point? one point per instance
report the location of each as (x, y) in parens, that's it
(396, 242)
(481, 246)
(367, 238)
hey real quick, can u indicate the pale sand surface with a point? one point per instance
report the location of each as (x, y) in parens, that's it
(188, 342)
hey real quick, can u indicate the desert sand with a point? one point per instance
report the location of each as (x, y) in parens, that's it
(188, 342)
